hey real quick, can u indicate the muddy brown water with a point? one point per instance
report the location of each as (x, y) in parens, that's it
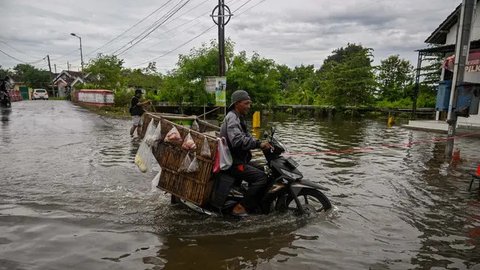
(72, 198)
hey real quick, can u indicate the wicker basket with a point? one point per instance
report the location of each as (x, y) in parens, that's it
(196, 186)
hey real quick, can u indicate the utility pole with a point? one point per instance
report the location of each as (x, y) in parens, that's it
(221, 39)
(417, 85)
(462, 50)
(81, 52)
(50, 74)
(49, 66)
(68, 66)
(222, 13)
(55, 68)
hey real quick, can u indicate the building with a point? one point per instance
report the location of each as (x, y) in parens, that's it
(442, 42)
(66, 80)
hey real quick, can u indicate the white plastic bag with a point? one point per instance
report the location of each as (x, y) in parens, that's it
(189, 143)
(225, 156)
(173, 136)
(185, 163)
(195, 125)
(193, 167)
(205, 152)
(144, 157)
(155, 181)
(149, 134)
(157, 135)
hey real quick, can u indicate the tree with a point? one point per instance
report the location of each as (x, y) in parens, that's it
(106, 72)
(395, 77)
(258, 76)
(31, 76)
(5, 72)
(347, 77)
(139, 78)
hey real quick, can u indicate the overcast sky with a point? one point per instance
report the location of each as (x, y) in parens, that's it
(289, 32)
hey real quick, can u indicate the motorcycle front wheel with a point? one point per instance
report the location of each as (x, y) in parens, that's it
(312, 201)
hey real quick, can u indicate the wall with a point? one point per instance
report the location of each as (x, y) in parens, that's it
(475, 31)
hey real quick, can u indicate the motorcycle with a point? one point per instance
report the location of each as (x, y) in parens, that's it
(4, 96)
(287, 189)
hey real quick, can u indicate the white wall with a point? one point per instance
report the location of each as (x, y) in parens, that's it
(475, 31)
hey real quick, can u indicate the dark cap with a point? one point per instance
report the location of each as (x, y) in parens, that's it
(138, 91)
(239, 95)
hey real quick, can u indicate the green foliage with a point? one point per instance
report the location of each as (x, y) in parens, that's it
(139, 78)
(106, 72)
(5, 72)
(347, 77)
(123, 97)
(404, 103)
(300, 85)
(395, 76)
(258, 76)
(31, 76)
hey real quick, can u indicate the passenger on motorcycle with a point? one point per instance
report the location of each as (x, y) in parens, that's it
(240, 142)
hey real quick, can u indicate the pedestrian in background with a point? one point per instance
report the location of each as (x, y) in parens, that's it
(136, 111)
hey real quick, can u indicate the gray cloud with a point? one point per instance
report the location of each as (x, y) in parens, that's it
(290, 32)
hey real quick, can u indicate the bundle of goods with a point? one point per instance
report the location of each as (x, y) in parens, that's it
(186, 155)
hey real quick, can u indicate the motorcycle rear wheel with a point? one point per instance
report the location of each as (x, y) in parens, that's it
(312, 200)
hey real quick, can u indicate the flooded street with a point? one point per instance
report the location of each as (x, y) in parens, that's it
(72, 198)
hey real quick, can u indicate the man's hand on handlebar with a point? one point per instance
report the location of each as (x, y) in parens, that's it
(264, 145)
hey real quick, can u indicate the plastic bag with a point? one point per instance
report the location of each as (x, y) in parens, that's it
(189, 143)
(223, 157)
(195, 125)
(149, 134)
(193, 167)
(205, 152)
(173, 136)
(185, 164)
(153, 133)
(144, 157)
(157, 135)
(155, 181)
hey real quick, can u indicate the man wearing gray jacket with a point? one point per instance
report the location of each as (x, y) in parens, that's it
(240, 142)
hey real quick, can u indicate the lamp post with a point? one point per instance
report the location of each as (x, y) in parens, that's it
(81, 53)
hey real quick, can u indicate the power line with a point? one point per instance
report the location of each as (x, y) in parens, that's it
(14, 58)
(130, 28)
(154, 28)
(202, 33)
(183, 44)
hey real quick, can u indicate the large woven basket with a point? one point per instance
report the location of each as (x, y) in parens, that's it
(195, 187)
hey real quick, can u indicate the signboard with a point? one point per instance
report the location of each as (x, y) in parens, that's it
(472, 65)
(217, 85)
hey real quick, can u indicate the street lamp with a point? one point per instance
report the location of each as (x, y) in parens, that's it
(81, 53)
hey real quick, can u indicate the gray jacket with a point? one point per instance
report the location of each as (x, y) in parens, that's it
(239, 140)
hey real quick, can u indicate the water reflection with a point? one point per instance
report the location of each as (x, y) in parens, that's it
(400, 205)
(5, 113)
(239, 250)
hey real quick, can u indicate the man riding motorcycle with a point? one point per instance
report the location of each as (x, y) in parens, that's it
(240, 142)
(4, 96)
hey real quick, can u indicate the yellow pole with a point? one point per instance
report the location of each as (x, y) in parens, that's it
(256, 119)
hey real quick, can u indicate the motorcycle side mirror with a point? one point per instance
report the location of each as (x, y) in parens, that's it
(272, 131)
(265, 135)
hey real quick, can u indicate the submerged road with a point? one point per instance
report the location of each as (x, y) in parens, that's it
(71, 198)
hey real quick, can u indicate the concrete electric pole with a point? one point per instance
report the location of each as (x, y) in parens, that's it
(222, 13)
(462, 50)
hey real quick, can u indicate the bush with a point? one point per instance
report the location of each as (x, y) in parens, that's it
(122, 97)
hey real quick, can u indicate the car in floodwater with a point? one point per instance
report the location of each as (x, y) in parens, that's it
(39, 94)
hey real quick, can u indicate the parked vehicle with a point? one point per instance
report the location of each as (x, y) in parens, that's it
(289, 190)
(39, 94)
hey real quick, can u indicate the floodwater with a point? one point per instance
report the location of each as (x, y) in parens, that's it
(72, 198)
